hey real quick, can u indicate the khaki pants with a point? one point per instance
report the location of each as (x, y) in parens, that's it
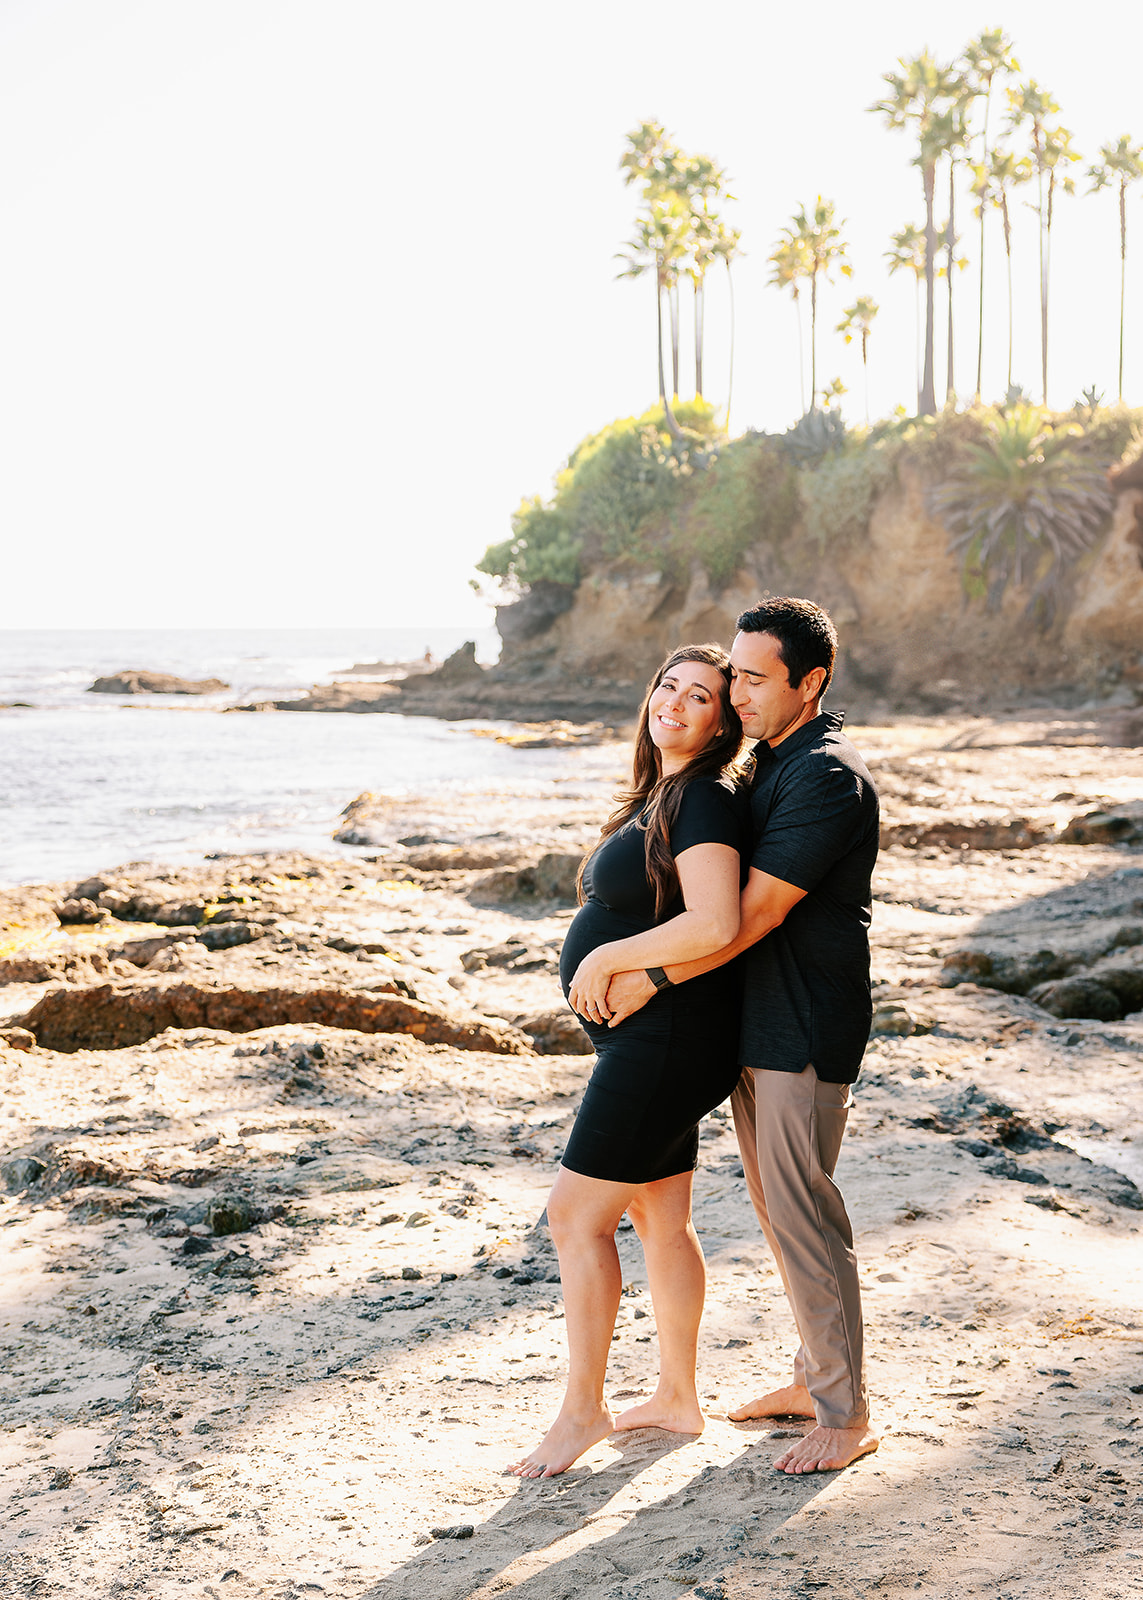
(790, 1128)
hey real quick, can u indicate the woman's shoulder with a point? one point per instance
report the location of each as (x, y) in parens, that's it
(711, 804)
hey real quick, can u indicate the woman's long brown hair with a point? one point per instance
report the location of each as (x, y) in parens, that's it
(654, 799)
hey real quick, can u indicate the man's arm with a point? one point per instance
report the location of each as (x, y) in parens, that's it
(765, 903)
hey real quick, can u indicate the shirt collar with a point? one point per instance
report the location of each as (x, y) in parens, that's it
(766, 755)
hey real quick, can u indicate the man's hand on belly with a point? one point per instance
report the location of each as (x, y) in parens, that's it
(627, 993)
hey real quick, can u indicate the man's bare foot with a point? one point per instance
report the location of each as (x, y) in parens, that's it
(827, 1449)
(565, 1441)
(793, 1401)
(672, 1413)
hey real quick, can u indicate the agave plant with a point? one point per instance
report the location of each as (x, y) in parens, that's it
(1023, 506)
(813, 436)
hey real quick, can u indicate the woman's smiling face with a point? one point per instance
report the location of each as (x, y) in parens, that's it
(684, 713)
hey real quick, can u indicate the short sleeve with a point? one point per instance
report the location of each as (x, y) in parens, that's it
(811, 825)
(710, 814)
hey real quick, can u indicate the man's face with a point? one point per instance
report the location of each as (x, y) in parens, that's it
(761, 692)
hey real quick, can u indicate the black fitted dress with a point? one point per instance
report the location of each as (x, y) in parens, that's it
(664, 1068)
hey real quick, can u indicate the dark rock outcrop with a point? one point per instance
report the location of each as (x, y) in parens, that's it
(131, 681)
(111, 1017)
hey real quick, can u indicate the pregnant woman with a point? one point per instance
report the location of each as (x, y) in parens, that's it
(662, 886)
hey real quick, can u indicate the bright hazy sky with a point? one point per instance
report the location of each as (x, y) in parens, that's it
(301, 296)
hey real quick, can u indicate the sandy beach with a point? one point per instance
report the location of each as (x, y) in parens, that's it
(279, 1301)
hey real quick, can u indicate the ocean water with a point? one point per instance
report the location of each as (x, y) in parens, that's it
(90, 781)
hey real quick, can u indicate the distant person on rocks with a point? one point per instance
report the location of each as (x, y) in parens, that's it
(806, 1015)
(662, 886)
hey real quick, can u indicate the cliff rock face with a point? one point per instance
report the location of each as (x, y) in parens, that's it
(909, 636)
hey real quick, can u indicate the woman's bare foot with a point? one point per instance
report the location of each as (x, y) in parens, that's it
(565, 1441)
(827, 1449)
(672, 1413)
(792, 1401)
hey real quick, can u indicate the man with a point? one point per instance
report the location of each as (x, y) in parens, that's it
(806, 1010)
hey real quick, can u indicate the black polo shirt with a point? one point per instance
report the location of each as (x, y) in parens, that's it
(816, 825)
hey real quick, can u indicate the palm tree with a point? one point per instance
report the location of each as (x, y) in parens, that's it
(1121, 164)
(984, 58)
(991, 182)
(857, 322)
(817, 236)
(658, 244)
(726, 248)
(791, 264)
(1024, 503)
(1051, 148)
(908, 253)
(953, 133)
(918, 95)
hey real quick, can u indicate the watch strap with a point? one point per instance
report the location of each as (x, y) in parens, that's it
(659, 978)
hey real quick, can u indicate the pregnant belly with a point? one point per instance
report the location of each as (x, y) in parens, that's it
(594, 924)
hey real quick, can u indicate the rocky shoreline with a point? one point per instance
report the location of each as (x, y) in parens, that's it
(277, 1135)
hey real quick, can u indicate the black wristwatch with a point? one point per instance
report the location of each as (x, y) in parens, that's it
(659, 978)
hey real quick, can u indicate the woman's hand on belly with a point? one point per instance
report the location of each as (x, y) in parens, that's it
(588, 992)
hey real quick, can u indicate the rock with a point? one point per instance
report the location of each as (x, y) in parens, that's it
(461, 667)
(535, 612)
(61, 1479)
(1126, 729)
(1111, 825)
(556, 873)
(1078, 997)
(463, 1530)
(1014, 833)
(553, 877)
(141, 952)
(20, 1173)
(557, 1033)
(892, 1018)
(111, 1017)
(512, 955)
(234, 1265)
(228, 935)
(17, 1039)
(346, 1173)
(230, 1213)
(195, 1245)
(1012, 974)
(81, 911)
(131, 681)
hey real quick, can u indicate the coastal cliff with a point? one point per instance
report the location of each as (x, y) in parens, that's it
(910, 637)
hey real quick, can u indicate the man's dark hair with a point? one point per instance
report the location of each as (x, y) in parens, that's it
(806, 636)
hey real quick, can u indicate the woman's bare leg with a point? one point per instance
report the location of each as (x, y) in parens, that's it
(676, 1272)
(583, 1214)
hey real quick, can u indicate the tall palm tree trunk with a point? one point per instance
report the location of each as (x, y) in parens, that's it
(730, 379)
(700, 311)
(673, 293)
(1043, 219)
(1008, 256)
(950, 382)
(801, 358)
(917, 338)
(928, 404)
(1122, 275)
(659, 322)
(813, 341)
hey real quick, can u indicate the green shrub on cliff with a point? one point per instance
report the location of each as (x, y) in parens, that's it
(748, 496)
(542, 547)
(837, 495)
(617, 496)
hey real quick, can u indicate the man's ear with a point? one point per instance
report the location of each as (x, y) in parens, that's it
(813, 683)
